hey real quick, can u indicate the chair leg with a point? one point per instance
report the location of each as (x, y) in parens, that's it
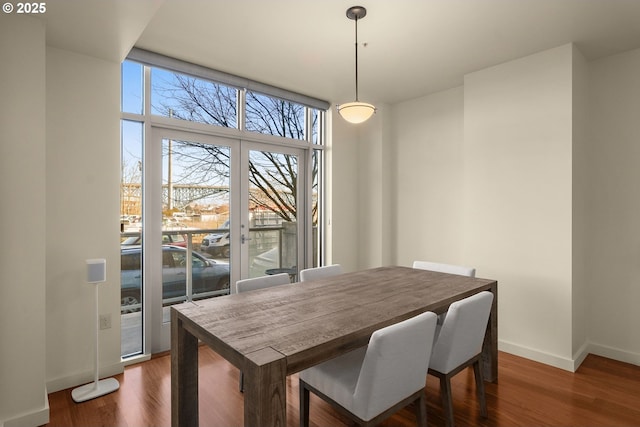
(241, 382)
(477, 369)
(304, 405)
(447, 401)
(421, 410)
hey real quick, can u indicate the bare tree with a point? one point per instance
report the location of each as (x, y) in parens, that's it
(273, 176)
(130, 187)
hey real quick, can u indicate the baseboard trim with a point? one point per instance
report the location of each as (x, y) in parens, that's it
(35, 418)
(81, 378)
(537, 355)
(578, 357)
(615, 353)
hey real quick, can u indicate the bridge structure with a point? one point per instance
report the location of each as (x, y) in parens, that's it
(185, 194)
(182, 194)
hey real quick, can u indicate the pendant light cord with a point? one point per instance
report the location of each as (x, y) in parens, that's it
(356, 19)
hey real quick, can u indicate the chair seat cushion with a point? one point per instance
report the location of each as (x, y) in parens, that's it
(337, 377)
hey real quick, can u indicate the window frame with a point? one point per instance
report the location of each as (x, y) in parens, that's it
(312, 106)
(312, 143)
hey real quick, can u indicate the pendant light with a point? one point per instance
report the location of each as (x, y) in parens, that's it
(356, 112)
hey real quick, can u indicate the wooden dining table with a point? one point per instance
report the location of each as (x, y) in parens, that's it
(275, 332)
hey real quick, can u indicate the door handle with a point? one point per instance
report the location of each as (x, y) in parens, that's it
(244, 239)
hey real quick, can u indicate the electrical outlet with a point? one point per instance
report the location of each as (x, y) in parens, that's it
(105, 321)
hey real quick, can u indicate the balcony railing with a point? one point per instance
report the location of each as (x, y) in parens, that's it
(269, 250)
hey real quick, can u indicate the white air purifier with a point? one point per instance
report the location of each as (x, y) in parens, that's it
(96, 273)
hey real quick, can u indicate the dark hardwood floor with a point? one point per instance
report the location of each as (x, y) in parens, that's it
(602, 392)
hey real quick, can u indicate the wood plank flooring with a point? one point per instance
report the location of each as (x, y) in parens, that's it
(602, 392)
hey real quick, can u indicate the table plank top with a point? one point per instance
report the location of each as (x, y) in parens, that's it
(309, 322)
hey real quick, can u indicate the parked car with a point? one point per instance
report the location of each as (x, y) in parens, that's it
(265, 261)
(207, 275)
(216, 244)
(167, 239)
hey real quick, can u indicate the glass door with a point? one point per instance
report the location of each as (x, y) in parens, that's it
(215, 210)
(271, 234)
(191, 208)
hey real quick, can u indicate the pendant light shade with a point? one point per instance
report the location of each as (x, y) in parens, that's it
(356, 112)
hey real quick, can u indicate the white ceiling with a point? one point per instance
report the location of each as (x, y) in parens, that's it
(413, 47)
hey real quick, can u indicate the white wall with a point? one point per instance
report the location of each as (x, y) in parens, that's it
(343, 161)
(23, 399)
(363, 176)
(375, 197)
(614, 177)
(60, 206)
(485, 177)
(82, 195)
(581, 189)
(428, 194)
(370, 195)
(377, 202)
(547, 169)
(518, 212)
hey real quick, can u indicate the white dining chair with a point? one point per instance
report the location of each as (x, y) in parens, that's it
(372, 383)
(261, 282)
(256, 283)
(458, 345)
(316, 273)
(445, 268)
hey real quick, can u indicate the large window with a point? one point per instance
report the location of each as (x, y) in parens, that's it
(188, 98)
(195, 178)
(272, 116)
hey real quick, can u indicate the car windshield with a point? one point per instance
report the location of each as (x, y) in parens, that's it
(131, 240)
(177, 238)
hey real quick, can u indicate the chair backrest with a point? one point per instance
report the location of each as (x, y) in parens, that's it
(445, 268)
(320, 272)
(462, 332)
(252, 284)
(395, 365)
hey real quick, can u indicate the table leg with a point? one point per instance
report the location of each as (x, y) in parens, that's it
(184, 374)
(490, 346)
(265, 389)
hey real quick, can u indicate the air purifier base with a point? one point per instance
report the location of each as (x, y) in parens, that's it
(93, 390)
